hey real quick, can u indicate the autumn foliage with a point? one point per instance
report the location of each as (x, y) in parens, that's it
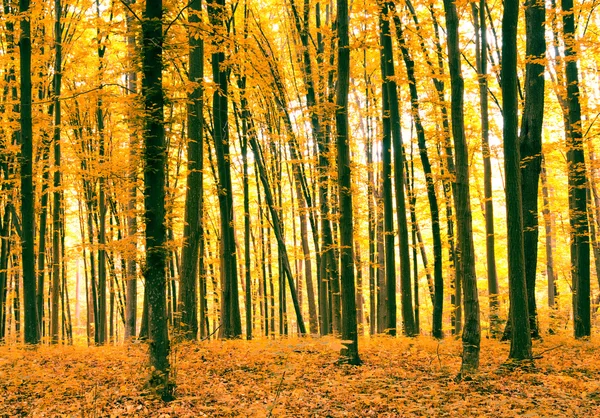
(300, 377)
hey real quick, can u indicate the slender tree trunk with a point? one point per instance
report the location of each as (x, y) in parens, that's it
(349, 327)
(131, 298)
(520, 347)
(329, 307)
(381, 279)
(276, 222)
(154, 197)
(57, 200)
(101, 318)
(192, 232)
(550, 272)
(4, 255)
(481, 45)
(577, 182)
(32, 335)
(408, 319)
(389, 285)
(231, 325)
(438, 302)
(471, 336)
(42, 234)
(530, 146)
(310, 291)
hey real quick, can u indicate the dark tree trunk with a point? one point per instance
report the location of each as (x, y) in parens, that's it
(328, 270)
(101, 318)
(471, 336)
(448, 167)
(231, 324)
(408, 320)
(481, 45)
(57, 198)
(530, 144)
(286, 270)
(550, 273)
(32, 335)
(520, 348)
(577, 182)
(155, 154)
(131, 294)
(438, 302)
(349, 327)
(387, 297)
(4, 277)
(42, 234)
(192, 232)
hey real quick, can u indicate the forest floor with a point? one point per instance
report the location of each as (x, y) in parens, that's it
(300, 377)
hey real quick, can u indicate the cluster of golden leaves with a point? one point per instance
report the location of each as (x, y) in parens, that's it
(300, 377)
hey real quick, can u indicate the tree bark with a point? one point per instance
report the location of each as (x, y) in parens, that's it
(131, 295)
(577, 183)
(192, 232)
(349, 327)
(155, 154)
(56, 205)
(231, 324)
(32, 335)
(438, 302)
(471, 336)
(481, 45)
(520, 347)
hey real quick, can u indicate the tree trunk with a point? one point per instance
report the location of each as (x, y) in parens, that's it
(520, 347)
(471, 336)
(408, 320)
(447, 166)
(530, 145)
(155, 154)
(349, 327)
(231, 324)
(550, 272)
(481, 45)
(131, 295)
(192, 232)
(387, 292)
(56, 206)
(577, 183)
(32, 335)
(438, 302)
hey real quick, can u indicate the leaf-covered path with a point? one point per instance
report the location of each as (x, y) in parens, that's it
(295, 378)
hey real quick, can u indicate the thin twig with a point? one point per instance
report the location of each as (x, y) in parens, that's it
(211, 334)
(545, 351)
(124, 3)
(277, 393)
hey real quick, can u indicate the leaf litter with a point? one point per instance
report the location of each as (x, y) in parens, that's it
(300, 378)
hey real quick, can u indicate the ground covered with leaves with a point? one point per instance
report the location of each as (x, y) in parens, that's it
(300, 377)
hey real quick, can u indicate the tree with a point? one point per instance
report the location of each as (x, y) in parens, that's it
(192, 233)
(578, 211)
(349, 327)
(530, 144)
(408, 319)
(32, 332)
(438, 298)
(471, 336)
(481, 46)
(131, 292)
(231, 325)
(520, 348)
(154, 196)
(56, 207)
(388, 304)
